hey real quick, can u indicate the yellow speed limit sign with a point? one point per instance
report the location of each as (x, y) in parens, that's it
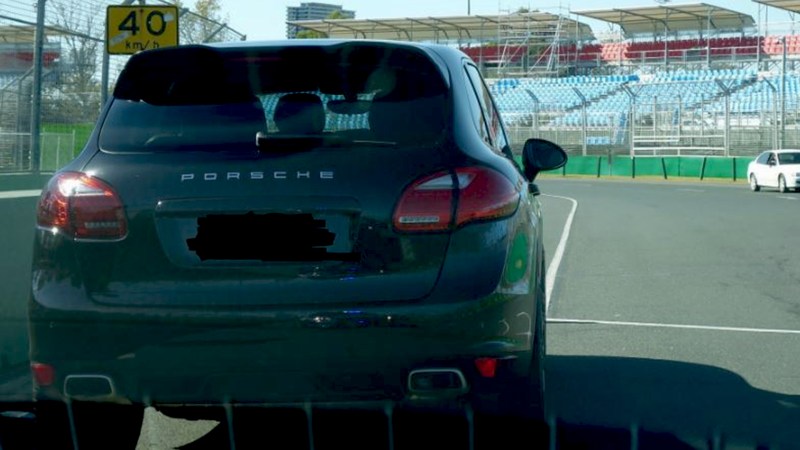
(131, 29)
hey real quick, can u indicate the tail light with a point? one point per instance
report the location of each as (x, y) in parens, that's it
(487, 367)
(43, 374)
(82, 207)
(447, 200)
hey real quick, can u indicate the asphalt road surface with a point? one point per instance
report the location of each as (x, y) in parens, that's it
(17, 215)
(675, 308)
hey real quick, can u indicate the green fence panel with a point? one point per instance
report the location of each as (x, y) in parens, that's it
(672, 164)
(741, 167)
(691, 166)
(557, 172)
(719, 168)
(518, 159)
(582, 165)
(605, 167)
(622, 166)
(649, 167)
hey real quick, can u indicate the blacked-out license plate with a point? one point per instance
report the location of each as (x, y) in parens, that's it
(271, 237)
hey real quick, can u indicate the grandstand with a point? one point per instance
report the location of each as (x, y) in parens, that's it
(685, 79)
(520, 39)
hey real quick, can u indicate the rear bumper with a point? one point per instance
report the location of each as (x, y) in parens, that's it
(184, 357)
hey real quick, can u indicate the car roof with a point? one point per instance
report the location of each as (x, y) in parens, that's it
(446, 60)
(315, 43)
(445, 57)
(440, 49)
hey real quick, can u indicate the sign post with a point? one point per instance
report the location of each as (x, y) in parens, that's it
(133, 28)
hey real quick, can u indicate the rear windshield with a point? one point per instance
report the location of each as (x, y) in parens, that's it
(203, 98)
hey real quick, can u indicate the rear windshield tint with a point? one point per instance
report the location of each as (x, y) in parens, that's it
(198, 97)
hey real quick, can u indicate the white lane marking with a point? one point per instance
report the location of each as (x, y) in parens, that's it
(552, 269)
(691, 190)
(20, 194)
(787, 198)
(673, 325)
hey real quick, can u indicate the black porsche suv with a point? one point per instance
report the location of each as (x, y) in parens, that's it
(303, 222)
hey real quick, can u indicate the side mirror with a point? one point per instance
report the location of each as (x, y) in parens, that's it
(539, 155)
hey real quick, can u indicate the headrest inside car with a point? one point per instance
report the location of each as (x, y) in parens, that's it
(300, 113)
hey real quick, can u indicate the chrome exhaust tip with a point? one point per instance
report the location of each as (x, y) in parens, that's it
(89, 386)
(437, 382)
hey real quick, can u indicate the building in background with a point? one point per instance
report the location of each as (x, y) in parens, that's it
(313, 11)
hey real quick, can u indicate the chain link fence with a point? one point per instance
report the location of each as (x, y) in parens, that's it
(75, 72)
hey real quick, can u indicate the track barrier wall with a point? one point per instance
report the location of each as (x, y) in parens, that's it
(20, 182)
(700, 167)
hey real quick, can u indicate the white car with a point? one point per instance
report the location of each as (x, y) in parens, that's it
(775, 168)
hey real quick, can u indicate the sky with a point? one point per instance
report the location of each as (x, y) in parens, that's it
(265, 19)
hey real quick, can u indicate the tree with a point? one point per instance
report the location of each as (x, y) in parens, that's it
(310, 34)
(203, 23)
(314, 34)
(75, 92)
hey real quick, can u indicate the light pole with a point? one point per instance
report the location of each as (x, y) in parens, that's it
(36, 101)
(783, 93)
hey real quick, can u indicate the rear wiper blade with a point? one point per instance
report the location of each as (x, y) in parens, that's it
(370, 143)
(304, 142)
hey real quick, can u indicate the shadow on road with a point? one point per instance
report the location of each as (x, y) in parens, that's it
(416, 431)
(596, 401)
(692, 400)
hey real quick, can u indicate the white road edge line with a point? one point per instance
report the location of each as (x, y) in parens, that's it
(673, 325)
(552, 269)
(20, 194)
